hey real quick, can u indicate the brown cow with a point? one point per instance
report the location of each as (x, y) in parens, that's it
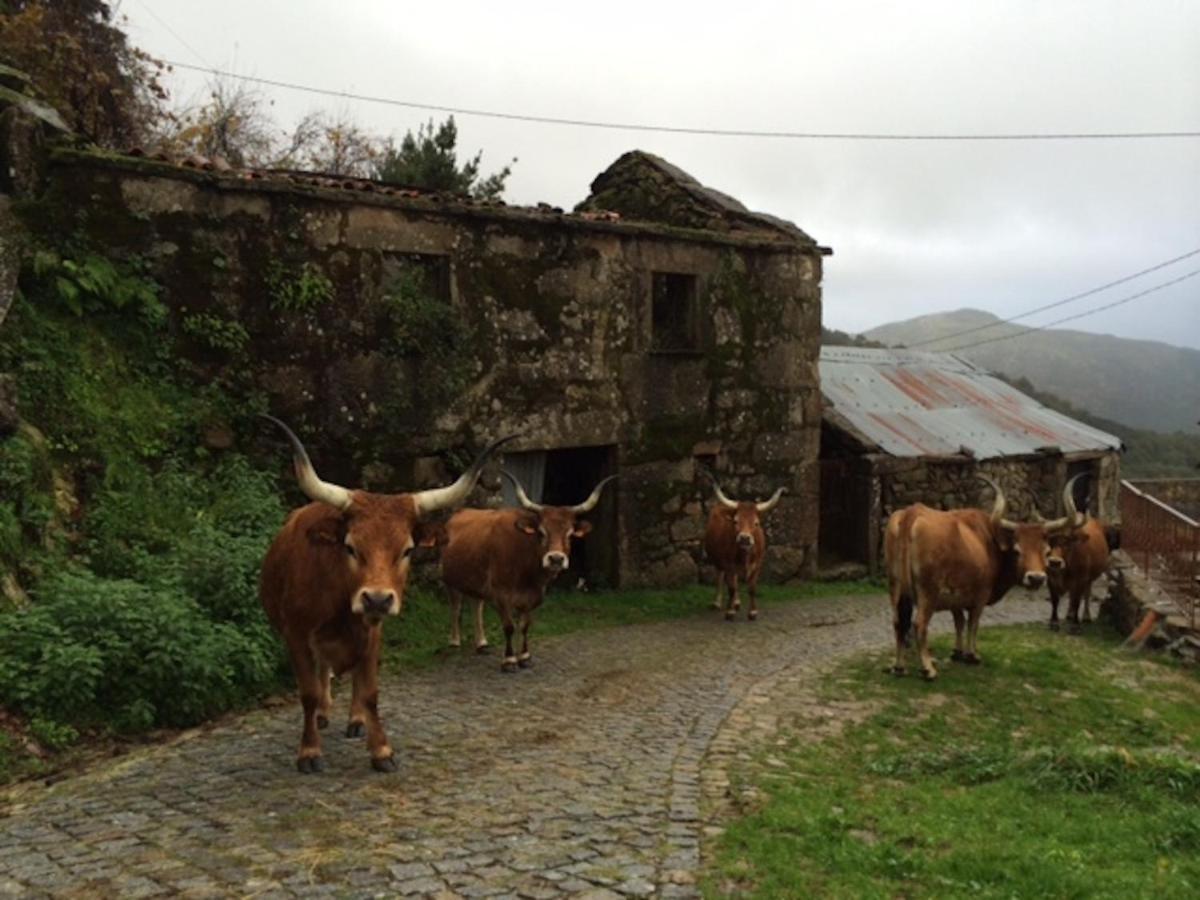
(508, 557)
(959, 560)
(1077, 558)
(336, 569)
(734, 541)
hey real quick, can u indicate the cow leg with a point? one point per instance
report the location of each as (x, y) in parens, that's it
(308, 680)
(974, 614)
(481, 644)
(1087, 604)
(366, 691)
(525, 660)
(455, 618)
(1073, 626)
(924, 613)
(1054, 598)
(733, 604)
(509, 664)
(325, 674)
(901, 623)
(752, 589)
(717, 601)
(960, 623)
(356, 727)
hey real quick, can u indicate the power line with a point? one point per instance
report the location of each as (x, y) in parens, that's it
(1088, 312)
(676, 129)
(175, 34)
(957, 334)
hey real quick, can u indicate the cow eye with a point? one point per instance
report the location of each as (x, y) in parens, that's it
(349, 550)
(408, 552)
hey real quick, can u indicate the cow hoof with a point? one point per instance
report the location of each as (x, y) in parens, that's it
(383, 763)
(322, 721)
(309, 765)
(525, 663)
(928, 674)
(737, 605)
(508, 666)
(481, 649)
(355, 730)
(752, 615)
(971, 659)
(898, 671)
(958, 656)
(1054, 626)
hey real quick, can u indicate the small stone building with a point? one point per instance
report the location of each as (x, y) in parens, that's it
(658, 324)
(901, 427)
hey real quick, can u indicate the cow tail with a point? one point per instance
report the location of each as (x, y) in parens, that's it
(904, 617)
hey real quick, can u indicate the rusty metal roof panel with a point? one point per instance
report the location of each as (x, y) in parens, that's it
(910, 403)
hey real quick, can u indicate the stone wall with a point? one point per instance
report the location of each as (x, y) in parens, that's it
(296, 290)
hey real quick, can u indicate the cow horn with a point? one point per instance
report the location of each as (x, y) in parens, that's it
(590, 503)
(1000, 504)
(454, 494)
(768, 505)
(1074, 518)
(522, 497)
(725, 501)
(314, 488)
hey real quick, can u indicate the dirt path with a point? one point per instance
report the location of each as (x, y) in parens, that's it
(589, 775)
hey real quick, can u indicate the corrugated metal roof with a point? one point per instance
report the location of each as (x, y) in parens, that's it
(910, 403)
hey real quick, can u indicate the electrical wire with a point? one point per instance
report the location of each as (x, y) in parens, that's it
(676, 129)
(1089, 312)
(957, 334)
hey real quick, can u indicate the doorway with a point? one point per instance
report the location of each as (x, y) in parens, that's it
(565, 477)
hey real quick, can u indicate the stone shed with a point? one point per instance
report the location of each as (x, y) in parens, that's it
(658, 324)
(901, 427)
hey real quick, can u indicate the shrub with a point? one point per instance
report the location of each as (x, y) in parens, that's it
(94, 651)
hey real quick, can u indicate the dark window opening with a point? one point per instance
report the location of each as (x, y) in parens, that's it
(676, 314)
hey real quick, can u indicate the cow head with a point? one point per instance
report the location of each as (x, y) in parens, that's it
(375, 534)
(1061, 541)
(1028, 543)
(745, 514)
(554, 526)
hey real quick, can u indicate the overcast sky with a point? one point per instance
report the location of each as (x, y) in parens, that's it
(916, 227)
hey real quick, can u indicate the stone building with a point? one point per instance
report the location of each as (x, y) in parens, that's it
(902, 427)
(658, 324)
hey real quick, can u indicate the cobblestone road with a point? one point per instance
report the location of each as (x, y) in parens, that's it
(597, 773)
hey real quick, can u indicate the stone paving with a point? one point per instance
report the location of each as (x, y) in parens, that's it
(597, 774)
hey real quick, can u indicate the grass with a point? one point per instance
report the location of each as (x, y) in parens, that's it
(1060, 768)
(424, 627)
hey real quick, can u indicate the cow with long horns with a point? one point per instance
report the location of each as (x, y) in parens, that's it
(1078, 556)
(734, 542)
(508, 557)
(960, 560)
(335, 571)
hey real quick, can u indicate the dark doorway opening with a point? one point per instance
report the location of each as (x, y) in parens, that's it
(566, 477)
(1082, 490)
(571, 475)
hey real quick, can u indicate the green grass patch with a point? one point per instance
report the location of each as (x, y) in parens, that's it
(422, 632)
(1060, 768)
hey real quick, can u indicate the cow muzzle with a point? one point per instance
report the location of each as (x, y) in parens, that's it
(1034, 580)
(745, 540)
(1055, 563)
(377, 604)
(555, 561)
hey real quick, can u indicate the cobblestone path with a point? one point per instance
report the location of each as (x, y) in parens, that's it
(597, 773)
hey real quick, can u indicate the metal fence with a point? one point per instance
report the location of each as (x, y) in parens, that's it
(1165, 544)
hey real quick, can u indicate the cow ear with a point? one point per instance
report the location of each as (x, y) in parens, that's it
(430, 534)
(328, 530)
(582, 529)
(527, 524)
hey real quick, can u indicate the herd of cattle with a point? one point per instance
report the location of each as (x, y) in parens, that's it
(340, 564)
